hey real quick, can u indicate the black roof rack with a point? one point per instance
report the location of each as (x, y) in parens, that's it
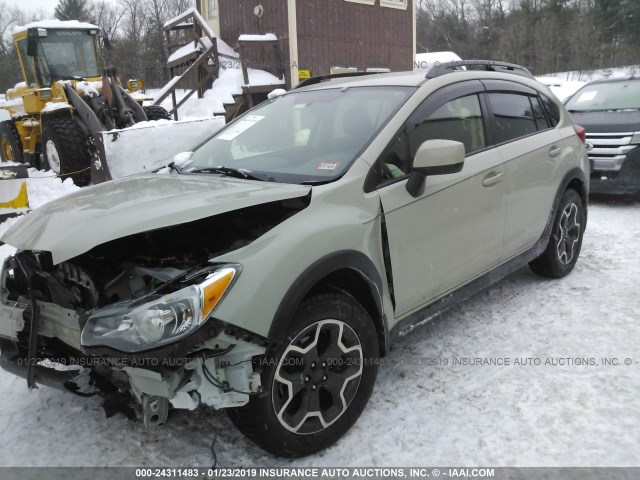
(326, 78)
(488, 65)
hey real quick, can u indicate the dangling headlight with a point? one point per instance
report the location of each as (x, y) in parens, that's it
(157, 320)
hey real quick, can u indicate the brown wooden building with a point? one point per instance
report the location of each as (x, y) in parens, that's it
(317, 36)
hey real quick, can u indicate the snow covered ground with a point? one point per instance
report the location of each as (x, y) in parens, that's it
(590, 75)
(565, 84)
(423, 411)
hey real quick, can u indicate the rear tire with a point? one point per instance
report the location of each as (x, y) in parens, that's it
(317, 381)
(10, 144)
(156, 112)
(64, 150)
(564, 245)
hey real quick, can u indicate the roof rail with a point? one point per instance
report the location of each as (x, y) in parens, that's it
(488, 65)
(326, 78)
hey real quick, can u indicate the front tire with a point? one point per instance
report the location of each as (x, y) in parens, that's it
(64, 150)
(10, 144)
(565, 243)
(318, 380)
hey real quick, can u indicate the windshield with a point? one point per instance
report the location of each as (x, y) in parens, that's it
(64, 54)
(301, 137)
(619, 95)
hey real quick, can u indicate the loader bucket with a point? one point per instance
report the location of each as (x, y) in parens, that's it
(13, 191)
(148, 146)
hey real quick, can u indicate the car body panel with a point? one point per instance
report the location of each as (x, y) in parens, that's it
(339, 218)
(76, 223)
(454, 230)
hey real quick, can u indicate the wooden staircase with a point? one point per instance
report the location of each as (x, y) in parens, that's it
(198, 69)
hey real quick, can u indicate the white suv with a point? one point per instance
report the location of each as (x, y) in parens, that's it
(268, 271)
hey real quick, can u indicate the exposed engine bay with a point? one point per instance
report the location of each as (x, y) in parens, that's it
(132, 320)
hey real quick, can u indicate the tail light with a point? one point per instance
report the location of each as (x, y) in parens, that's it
(581, 132)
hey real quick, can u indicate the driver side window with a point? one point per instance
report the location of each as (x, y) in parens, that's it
(459, 119)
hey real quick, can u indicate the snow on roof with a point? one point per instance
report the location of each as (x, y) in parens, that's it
(67, 25)
(269, 37)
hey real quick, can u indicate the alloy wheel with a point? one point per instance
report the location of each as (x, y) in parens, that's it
(317, 377)
(568, 233)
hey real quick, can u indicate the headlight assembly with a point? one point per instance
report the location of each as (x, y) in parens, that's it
(156, 320)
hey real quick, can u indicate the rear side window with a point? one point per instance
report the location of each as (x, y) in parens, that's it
(513, 116)
(538, 112)
(553, 112)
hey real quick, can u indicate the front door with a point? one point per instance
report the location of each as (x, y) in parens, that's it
(453, 232)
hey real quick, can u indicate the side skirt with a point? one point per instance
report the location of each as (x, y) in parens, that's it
(441, 305)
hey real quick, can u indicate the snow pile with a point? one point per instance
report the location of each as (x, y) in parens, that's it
(562, 89)
(224, 50)
(162, 140)
(565, 84)
(590, 75)
(53, 106)
(42, 187)
(424, 61)
(229, 83)
(17, 104)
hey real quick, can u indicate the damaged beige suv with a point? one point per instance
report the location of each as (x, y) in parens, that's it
(268, 271)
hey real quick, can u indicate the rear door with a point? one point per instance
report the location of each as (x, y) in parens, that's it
(530, 146)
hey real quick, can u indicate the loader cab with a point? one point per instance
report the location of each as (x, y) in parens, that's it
(51, 54)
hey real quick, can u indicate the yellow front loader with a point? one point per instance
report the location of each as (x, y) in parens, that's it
(55, 117)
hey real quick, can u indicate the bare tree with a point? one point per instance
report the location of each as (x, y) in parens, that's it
(107, 16)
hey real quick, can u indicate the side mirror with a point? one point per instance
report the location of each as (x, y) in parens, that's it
(434, 157)
(33, 35)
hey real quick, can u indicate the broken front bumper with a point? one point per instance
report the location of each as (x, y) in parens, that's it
(13, 362)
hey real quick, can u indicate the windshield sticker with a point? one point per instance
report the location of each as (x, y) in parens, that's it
(240, 127)
(587, 96)
(328, 166)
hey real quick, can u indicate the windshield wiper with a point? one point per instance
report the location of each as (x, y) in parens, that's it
(228, 172)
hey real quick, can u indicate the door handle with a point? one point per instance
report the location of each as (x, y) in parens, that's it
(492, 179)
(554, 151)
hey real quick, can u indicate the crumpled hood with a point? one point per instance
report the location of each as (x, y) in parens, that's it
(76, 223)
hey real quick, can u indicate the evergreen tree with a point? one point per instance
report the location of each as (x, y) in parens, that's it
(73, 10)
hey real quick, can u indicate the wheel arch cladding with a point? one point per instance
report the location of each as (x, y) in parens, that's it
(347, 271)
(576, 180)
